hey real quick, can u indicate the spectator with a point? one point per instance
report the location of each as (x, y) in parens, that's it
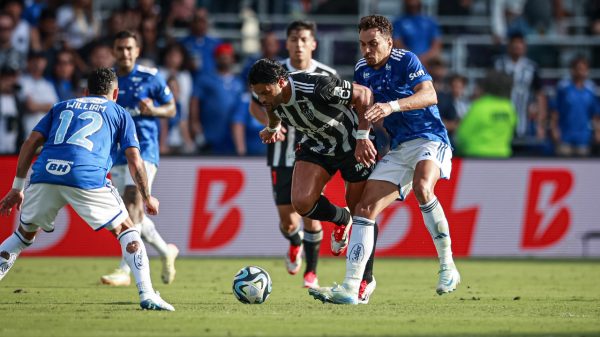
(438, 70)
(21, 35)
(575, 109)
(9, 56)
(79, 23)
(49, 39)
(176, 63)
(245, 129)
(175, 135)
(488, 127)
(199, 44)
(38, 93)
(65, 79)
(460, 101)
(215, 98)
(269, 49)
(527, 91)
(507, 19)
(101, 55)
(11, 126)
(149, 38)
(180, 15)
(417, 32)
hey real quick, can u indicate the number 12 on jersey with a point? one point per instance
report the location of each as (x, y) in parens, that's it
(80, 137)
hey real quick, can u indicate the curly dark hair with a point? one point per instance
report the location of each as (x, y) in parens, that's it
(376, 21)
(266, 71)
(100, 81)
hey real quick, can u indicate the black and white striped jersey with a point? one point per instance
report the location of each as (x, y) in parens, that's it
(526, 82)
(319, 108)
(281, 154)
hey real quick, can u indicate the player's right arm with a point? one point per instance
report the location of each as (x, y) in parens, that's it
(14, 197)
(272, 132)
(138, 172)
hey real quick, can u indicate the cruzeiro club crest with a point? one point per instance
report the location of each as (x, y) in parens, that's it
(306, 109)
(357, 253)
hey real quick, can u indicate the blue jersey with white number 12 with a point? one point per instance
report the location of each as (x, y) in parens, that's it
(81, 139)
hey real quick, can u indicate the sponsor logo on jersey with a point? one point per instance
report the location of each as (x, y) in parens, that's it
(416, 74)
(58, 167)
(343, 93)
(366, 74)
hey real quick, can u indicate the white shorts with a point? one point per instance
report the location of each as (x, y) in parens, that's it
(121, 177)
(100, 207)
(398, 165)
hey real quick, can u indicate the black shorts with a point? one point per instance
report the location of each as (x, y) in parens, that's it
(281, 179)
(351, 170)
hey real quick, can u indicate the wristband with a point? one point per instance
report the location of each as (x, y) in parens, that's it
(18, 184)
(362, 134)
(395, 105)
(273, 130)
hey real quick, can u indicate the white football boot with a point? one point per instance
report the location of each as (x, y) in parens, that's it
(293, 259)
(311, 280)
(153, 301)
(337, 294)
(449, 279)
(340, 237)
(168, 264)
(365, 291)
(118, 278)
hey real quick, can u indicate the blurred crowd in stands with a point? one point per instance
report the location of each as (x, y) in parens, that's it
(48, 47)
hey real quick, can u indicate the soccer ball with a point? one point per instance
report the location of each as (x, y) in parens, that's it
(252, 285)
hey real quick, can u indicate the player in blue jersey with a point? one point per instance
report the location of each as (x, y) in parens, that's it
(147, 97)
(79, 138)
(419, 154)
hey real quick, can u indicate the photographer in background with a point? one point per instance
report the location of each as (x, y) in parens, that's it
(11, 125)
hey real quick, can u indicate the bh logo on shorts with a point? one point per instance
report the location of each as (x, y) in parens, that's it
(58, 167)
(357, 253)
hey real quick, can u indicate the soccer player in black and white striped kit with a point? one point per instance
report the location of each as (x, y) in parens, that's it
(320, 108)
(300, 44)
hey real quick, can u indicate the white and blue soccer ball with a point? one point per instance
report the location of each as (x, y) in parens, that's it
(252, 285)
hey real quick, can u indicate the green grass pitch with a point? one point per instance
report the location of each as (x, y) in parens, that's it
(62, 297)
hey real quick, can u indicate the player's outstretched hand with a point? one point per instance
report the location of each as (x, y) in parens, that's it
(11, 199)
(365, 152)
(378, 111)
(152, 206)
(271, 137)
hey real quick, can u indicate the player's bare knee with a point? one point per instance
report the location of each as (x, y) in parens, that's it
(303, 206)
(132, 247)
(423, 192)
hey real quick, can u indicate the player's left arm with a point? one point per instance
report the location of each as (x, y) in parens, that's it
(167, 110)
(424, 96)
(14, 197)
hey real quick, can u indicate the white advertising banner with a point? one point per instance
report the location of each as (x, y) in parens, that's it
(224, 207)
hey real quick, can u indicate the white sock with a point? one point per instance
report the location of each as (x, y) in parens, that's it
(124, 266)
(134, 252)
(359, 250)
(151, 236)
(437, 225)
(10, 250)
